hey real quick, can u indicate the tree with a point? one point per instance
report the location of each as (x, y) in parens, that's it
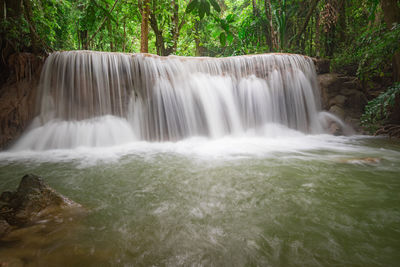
(144, 35)
(391, 12)
(268, 13)
(168, 15)
(306, 21)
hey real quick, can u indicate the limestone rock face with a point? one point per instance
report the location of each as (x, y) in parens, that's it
(322, 65)
(4, 227)
(338, 111)
(343, 96)
(32, 201)
(18, 95)
(338, 100)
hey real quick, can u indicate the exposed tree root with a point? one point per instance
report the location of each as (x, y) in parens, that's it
(392, 130)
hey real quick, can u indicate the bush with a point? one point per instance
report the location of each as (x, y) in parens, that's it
(373, 49)
(378, 110)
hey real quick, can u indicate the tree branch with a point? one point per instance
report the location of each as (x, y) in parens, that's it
(102, 23)
(308, 16)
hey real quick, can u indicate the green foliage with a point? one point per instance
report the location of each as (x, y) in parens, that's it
(374, 48)
(15, 33)
(213, 28)
(378, 110)
(202, 7)
(223, 29)
(280, 15)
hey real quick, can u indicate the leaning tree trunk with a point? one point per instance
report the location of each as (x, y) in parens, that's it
(32, 30)
(160, 46)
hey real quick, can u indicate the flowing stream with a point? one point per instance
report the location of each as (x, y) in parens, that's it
(201, 162)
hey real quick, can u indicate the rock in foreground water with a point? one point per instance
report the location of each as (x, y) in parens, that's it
(34, 200)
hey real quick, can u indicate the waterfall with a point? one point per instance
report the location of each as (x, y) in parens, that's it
(96, 98)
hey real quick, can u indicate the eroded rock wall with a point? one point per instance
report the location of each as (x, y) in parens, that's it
(341, 94)
(18, 95)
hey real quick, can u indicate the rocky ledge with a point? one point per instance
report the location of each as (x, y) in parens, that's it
(18, 91)
(343, 96)
(33, 201)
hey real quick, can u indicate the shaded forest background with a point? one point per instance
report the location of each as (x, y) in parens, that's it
(362, 38)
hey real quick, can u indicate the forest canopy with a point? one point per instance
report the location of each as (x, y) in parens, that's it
(360, 36)
(324, 28)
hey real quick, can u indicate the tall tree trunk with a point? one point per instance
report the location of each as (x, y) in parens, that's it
(307, 19)
(317, 35)
(175, 26)
(342, 21)
(2, 10)
(144, 29)
(311, 38)
(254, 7)
(160, 46)
(32, 29)
(268, 40)
(106, 18)
(268, 12)
(330, 42)
(175, 30)
(83, 37)
(391, 13)
(124, 42)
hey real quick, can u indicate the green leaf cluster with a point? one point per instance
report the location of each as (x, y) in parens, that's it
(203, 7)
(378, 110)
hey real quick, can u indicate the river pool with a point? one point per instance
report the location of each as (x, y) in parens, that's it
(300, 200)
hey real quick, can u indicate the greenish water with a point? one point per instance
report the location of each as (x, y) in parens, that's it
(296, 201)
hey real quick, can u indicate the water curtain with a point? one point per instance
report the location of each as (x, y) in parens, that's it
(98, 98)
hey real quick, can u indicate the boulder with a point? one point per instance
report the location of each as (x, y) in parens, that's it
(352, 83)
(330, 85)
(4, 227)
(343, 96)
(348, 92)
(32, 201)
(356, 103)
(335, 129)
(330, 82)
(322, 65)
(338, 111)
(338, 100)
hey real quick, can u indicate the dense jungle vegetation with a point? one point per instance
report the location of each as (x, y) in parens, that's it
(361, 37)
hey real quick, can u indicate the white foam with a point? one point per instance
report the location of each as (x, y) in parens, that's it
(57, 134)
(286, 144)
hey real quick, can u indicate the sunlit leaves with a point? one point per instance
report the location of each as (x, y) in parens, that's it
(215, 5)
(202, 7)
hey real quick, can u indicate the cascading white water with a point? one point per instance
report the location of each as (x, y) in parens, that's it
(99, 99)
